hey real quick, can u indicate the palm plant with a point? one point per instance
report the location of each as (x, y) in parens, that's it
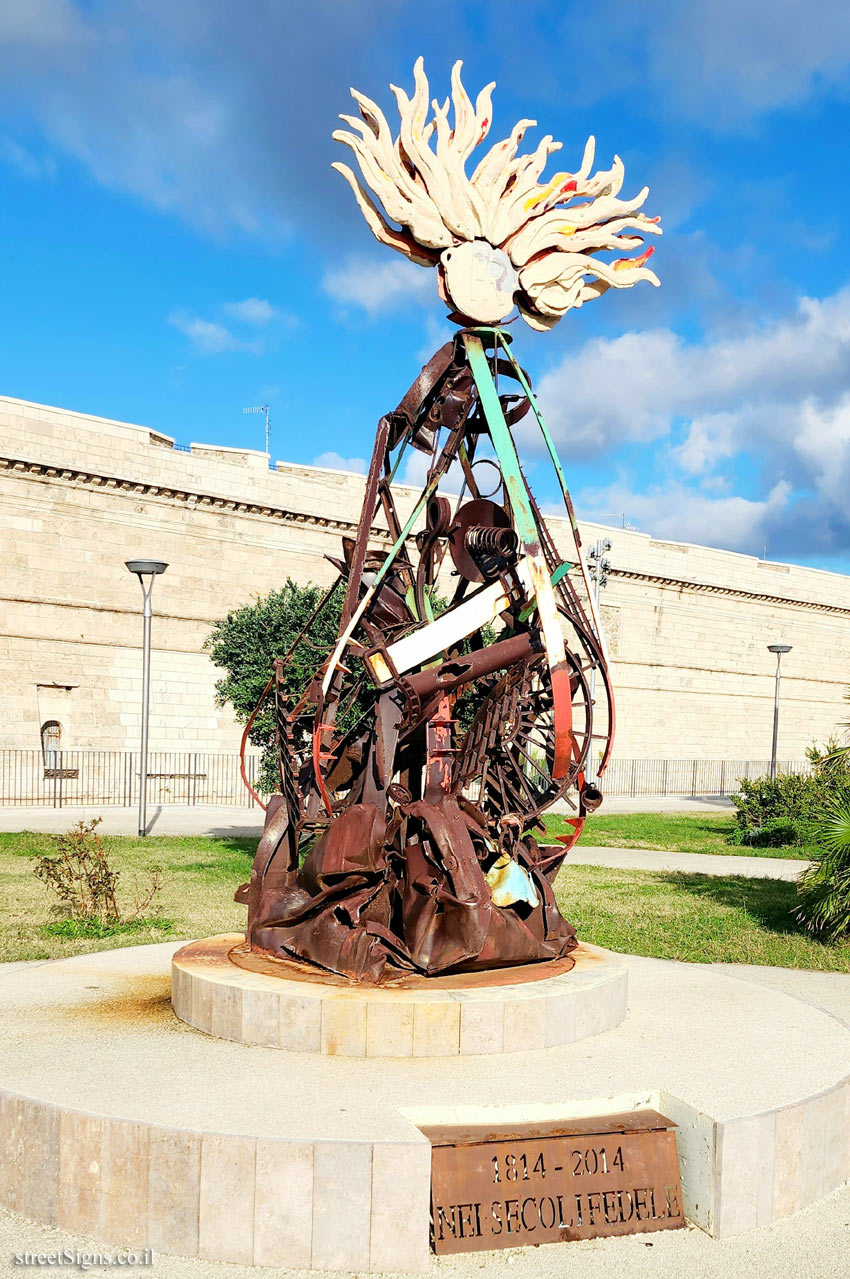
(836, 751)
(824, 887)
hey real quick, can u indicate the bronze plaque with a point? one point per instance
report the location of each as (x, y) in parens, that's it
(608, 1175)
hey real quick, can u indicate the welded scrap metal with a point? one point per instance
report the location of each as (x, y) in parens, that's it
(541, 586)
(405, 842)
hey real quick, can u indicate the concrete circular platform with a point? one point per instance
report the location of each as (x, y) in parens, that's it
(290, 1007)
(120, 1122)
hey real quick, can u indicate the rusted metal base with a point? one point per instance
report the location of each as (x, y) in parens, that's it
(531, 1184)
(275, 966)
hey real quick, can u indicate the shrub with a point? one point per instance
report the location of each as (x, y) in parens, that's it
(791, 802)
(824, 886)
(84, 881)
(776, 834)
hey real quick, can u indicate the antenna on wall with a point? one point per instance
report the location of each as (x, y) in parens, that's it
(261, 408)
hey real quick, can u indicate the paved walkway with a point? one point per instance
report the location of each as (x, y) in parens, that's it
(176, 819)
(224, 819)
(615, 804)
(689, 863)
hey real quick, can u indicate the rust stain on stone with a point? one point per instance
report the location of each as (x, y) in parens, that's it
(135, 1001)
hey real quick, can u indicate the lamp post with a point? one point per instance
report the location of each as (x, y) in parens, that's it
(778, 649)
(600, 567)
(146, 571)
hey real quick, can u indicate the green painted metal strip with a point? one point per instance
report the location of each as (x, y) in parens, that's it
(541, 422)
(502, 440)
(397, 462)
(402, 537)
(560, 571)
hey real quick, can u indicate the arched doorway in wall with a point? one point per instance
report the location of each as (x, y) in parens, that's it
(51, 747)
(51, 742)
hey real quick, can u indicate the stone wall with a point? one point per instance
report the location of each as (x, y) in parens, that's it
(688, 626)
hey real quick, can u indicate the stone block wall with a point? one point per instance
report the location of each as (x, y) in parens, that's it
(688, 626)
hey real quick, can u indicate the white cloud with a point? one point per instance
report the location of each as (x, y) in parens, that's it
(612, 390)
(207, 337)
(251, 311)
(30, 166)
(743, 57)
(415, 473)
(379, 284)
(42, 24)
(684, 514)
(336, 462)
(182, 103)
(722, 63)
(775, 394)
(732, 390)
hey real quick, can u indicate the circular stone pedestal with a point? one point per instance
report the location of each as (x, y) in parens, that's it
(288, 1006)
(120, 1123)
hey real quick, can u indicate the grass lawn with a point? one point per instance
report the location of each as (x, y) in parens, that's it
(200, 877)
(672, 832)
(670, 916)
(696, 918)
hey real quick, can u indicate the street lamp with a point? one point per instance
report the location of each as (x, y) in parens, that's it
(146, 571)
(778, 649)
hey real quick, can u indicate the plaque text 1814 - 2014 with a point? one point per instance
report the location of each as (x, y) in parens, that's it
(506, 1190)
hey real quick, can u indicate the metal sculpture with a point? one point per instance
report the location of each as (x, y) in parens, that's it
(500, 237)
(406, 841)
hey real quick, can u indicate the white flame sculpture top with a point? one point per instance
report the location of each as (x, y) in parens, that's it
(501, 237)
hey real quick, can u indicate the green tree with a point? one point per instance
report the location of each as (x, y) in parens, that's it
(246, 643)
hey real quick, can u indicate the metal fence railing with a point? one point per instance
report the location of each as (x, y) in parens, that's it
(61, 779)
(717, 777)
(58, 779)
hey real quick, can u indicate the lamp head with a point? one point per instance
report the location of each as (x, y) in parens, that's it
(142, 567)
(779, 648)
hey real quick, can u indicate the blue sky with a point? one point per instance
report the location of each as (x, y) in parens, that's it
(176, 245)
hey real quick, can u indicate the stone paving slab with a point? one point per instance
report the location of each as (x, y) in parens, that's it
(116, 1005)
(169, 819)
